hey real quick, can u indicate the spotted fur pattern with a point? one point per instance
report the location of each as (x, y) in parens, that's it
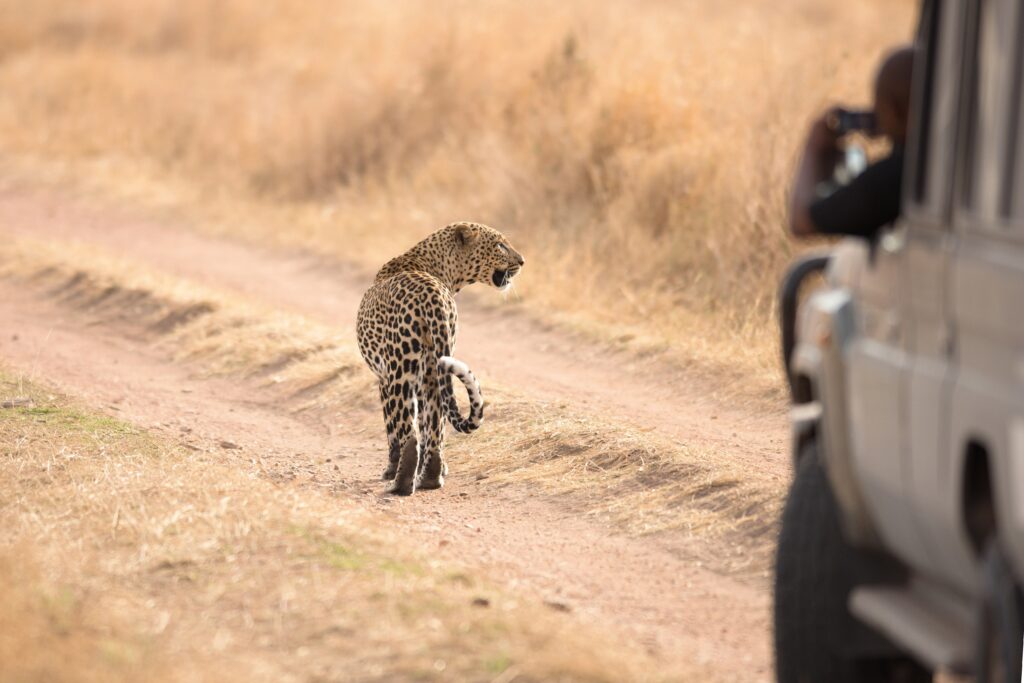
(406, 327)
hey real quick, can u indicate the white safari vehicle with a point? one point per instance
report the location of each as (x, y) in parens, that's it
(901, 552)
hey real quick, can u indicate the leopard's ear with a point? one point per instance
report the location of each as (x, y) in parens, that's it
(465, 233)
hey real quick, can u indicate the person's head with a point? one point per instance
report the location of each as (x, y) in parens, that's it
(892, 93)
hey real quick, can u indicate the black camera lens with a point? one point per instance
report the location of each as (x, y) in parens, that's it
(843, 121)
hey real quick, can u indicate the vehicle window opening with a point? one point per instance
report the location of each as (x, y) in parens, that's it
(971, 105)
(1008, 198)
(927, 39)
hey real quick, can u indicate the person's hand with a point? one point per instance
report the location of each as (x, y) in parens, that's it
(822, 137)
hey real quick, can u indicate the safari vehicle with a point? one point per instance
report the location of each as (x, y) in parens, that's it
(901, 552)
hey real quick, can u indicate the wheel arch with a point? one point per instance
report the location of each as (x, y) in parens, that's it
(805, 415)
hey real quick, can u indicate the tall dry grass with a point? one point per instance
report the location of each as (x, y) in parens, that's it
(636, 152)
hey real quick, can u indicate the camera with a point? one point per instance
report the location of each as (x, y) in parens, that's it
(844, 121)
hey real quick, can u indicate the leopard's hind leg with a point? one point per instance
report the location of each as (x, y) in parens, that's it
(391, 425)
(431, 428)
(431, 418)
(400, 412)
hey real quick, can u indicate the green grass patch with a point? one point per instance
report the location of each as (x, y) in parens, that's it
(346, 557)
(70, 417)
(69, 431)
(340, 556)
(498, 663)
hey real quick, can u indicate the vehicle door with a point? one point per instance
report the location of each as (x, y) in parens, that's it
(900, 363)
(945, 137)
(987, 292)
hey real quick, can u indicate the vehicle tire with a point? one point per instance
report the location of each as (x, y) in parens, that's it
(816, 637)
(1000, 630)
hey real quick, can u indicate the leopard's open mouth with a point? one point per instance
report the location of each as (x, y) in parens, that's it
(503, 278)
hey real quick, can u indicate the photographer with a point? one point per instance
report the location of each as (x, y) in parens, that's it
(872, 199)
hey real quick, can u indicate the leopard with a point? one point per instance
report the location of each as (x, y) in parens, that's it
(406, 328)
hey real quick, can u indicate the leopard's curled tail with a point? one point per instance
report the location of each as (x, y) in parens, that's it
(449, 365)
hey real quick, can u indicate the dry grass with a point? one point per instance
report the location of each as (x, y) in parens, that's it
(126, 558)
(637, 152)
(49, 632)
(641, 480)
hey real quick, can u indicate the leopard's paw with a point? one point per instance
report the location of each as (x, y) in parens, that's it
(428, 483)
(398, 488)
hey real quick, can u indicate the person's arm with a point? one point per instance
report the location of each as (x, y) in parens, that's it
(864, 206)
(816, 164)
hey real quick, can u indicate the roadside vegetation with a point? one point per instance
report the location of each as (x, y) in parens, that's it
(636, 152)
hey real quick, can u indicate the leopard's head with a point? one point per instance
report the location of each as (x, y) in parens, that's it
(482, 254)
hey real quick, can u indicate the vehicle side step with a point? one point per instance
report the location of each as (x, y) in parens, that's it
(927, 622)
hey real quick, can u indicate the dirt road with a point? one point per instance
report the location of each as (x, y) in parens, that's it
(644, 588)
(495, 342)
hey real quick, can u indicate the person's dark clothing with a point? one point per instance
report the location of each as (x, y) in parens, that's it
(870, 202)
